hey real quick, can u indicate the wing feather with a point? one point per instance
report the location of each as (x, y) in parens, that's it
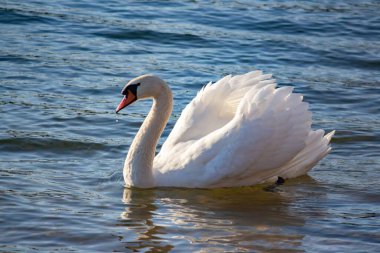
(214, 106)
(242, 130)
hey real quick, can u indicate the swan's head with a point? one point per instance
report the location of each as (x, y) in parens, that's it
(141, 87)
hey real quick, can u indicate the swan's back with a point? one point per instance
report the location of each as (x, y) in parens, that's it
(240, 131)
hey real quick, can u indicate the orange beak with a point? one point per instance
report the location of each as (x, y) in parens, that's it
(127, 100)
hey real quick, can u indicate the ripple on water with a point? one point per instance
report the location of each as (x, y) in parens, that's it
(63, 64)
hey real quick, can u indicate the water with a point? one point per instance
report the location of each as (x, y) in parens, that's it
(63, 64)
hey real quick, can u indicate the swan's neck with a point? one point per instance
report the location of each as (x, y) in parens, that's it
(139, 162)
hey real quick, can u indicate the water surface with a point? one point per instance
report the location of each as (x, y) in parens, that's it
(63, 64)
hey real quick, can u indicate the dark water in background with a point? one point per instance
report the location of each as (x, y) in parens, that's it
(63, 64)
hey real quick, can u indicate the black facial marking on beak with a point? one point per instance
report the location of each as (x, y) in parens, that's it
(130, 96)
(132, 88)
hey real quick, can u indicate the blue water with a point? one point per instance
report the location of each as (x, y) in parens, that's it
(62, 147)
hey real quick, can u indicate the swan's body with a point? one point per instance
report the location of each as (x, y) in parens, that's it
(239, 131)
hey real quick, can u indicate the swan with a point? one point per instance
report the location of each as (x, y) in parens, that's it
(239, 131)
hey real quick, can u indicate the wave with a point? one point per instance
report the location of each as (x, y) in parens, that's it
(47, 144)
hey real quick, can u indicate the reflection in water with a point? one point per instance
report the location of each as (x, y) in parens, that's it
(138, 216)
(243, 219)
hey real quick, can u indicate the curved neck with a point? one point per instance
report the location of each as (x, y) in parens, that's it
(139, 162)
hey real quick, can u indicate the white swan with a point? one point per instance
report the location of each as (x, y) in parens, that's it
(239, 131)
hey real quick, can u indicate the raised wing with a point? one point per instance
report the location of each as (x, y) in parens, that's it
(213, 107)
(238, 131)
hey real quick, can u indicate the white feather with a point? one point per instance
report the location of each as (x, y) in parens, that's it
(240, 131)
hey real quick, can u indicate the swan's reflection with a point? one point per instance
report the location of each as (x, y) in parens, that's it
(242, 219)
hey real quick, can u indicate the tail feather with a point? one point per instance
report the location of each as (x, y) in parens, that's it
(317, 147)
